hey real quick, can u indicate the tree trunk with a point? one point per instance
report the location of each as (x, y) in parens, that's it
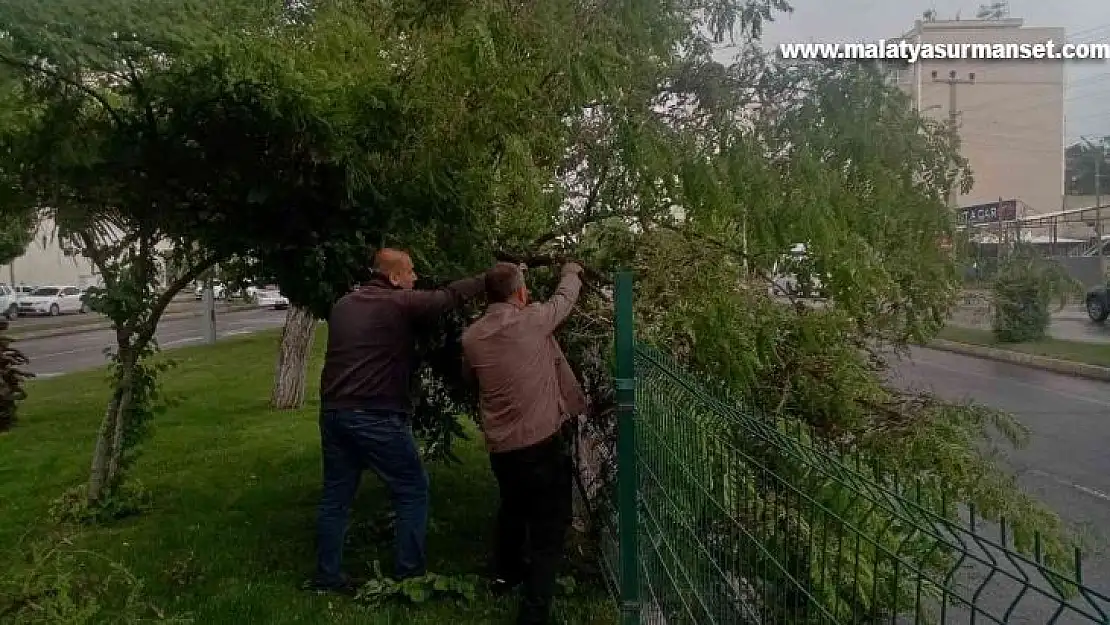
(292, 361)
(109, 439)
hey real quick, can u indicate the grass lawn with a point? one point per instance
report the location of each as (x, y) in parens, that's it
(229, 538)
(1089, 353)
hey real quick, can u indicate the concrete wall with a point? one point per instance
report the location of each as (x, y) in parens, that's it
(1082, 268)
(1011, 120)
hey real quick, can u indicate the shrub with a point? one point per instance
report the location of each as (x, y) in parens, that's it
(1024, 291)
(11, 379)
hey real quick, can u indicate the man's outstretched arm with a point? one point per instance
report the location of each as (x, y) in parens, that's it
(431, 303)
(551, 314)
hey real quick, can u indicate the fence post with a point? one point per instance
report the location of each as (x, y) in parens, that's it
(627, 479)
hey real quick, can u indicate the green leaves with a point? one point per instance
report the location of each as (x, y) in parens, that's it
(463, 588)
(1023, 292)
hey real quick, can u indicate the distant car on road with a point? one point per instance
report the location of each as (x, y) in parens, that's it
(271, 298)
(8, 306)
(218, 291)
(1098, 303)
(52, 300)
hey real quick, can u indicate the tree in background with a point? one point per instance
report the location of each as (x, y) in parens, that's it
(1080, 164)
(1024, 291)
(95, 147)
(16, 233)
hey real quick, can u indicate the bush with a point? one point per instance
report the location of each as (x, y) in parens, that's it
(11, 379)
(52, 581)
(1024, 291)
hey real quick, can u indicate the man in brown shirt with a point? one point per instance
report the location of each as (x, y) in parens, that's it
(365, 408)
(527, 391)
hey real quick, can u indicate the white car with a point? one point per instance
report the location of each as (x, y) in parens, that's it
(52, 300)
(8, 306)
(784, 276)
(271, 298)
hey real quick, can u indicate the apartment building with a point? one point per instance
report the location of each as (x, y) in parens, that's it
(1010, 112)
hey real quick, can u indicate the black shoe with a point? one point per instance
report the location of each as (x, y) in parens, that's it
(347, 585)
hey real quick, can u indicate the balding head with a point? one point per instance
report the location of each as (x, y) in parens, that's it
(396, 266)
(505, 283)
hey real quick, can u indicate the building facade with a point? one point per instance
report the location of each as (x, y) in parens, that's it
(48, 262)
(1010, 115)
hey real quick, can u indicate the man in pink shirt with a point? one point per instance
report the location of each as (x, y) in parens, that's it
(527, 392)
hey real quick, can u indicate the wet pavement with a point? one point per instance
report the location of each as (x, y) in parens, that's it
(1067, 462)
(56, 355)
(1070, 324)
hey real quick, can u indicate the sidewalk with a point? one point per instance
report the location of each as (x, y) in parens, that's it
(1069, 324)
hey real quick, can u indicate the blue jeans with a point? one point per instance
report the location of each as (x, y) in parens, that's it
(379, 440)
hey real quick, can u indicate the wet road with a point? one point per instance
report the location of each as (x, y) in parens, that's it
(1067, 462)
(63, 354)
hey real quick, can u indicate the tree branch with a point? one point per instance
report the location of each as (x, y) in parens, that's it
(98, 257)
(29, 67)
(548, 260)
(589, 215)
(171, 291)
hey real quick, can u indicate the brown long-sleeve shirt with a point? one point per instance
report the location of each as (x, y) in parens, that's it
(371, 342)
(526, 387)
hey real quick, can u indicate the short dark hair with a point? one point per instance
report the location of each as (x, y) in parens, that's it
(502, 281)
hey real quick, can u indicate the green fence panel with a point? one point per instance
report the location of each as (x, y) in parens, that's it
(720, 515)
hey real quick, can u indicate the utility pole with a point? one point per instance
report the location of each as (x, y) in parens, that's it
(1098, 208)
(1100, 158)
(209, 312)
(954, 81)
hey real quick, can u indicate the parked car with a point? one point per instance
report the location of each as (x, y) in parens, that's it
(785, 281)
(271, 298)
(1098, 303)
(8, 306)
(51, 300)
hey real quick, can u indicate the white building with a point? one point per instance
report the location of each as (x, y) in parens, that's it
(46, 261)
(1010, 112)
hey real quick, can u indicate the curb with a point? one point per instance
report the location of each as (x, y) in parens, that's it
(1044, 363)
(103, 325)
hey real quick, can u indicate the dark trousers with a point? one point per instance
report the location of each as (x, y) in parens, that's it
(535, 513)
(355, 440)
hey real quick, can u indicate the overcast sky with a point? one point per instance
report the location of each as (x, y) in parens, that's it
(1088, 91)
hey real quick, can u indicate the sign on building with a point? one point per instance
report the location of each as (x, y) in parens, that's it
(1006, 210)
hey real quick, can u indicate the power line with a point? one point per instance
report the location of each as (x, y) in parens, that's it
(1026, 105)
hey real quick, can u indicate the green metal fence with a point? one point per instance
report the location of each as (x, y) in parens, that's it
(721, 516)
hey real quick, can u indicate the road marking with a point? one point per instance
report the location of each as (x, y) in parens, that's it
(47, 376)
(1079, 487)
(238, 332)
(1084, 398)
(66, 352)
